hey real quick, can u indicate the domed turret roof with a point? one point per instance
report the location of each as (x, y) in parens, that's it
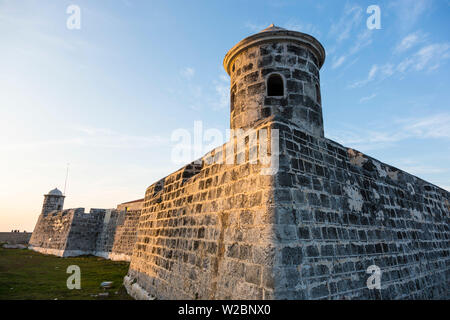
(274, 33)
(55, 192)
(272, 27)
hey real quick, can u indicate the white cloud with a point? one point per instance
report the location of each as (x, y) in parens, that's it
(372, 72)
(107, 138)
(437, 126)
(410, 11)
(427, 127)
(365, 99)
(364, 39)
(409, 41)
(214, 94)
(427, 58)
(419, 167)
(349, 20)
(432, 55)
(422, 169)
(338, 62)
(387, 70)
(94, 137)
(350, 23)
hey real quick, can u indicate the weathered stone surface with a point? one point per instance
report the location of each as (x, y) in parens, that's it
(108, 233)
(309, 231)
(15, 237)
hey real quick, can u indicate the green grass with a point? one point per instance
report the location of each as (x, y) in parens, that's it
(28, 275)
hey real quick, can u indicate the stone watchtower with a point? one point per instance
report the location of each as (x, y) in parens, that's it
(54, 200)
(275, 73)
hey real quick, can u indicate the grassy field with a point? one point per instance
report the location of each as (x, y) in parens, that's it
(28, 275)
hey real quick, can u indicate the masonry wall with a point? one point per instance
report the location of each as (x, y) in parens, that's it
(205, 233)
(51, 232)
(107, 233)
(84, 232)
(131, 205)
(52, 203)
(308, 232)
(340, 211)
(125, 236)
(15, 237)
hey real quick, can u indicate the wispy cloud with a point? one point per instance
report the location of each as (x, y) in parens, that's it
(410, 11)
(108, 138)
(351, 17)
(420, 167)
(337, 62)
(365, 99)
(372, 73)
(363, 39)
(428, 127)
(431, 56)
(94, 137)
(350, 23)
(198, 95)
(437, 126)
(428, 58)
(410, 41)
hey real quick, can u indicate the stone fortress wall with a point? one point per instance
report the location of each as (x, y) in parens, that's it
(310, 230)
(15, 237)
(108, 233)
(204, 232)
(125, 236)
(340, 211)
(118, 232)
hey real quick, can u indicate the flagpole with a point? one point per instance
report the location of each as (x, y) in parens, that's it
(65, 182)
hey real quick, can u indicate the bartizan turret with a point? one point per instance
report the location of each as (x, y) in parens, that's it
(275, 73)
(53, 201)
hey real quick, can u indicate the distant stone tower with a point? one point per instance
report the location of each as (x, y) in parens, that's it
(54, 200)
(275, 73)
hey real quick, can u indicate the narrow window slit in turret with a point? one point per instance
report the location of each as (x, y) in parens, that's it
(275, 86)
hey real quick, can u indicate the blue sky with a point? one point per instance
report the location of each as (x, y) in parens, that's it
(107, 97)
